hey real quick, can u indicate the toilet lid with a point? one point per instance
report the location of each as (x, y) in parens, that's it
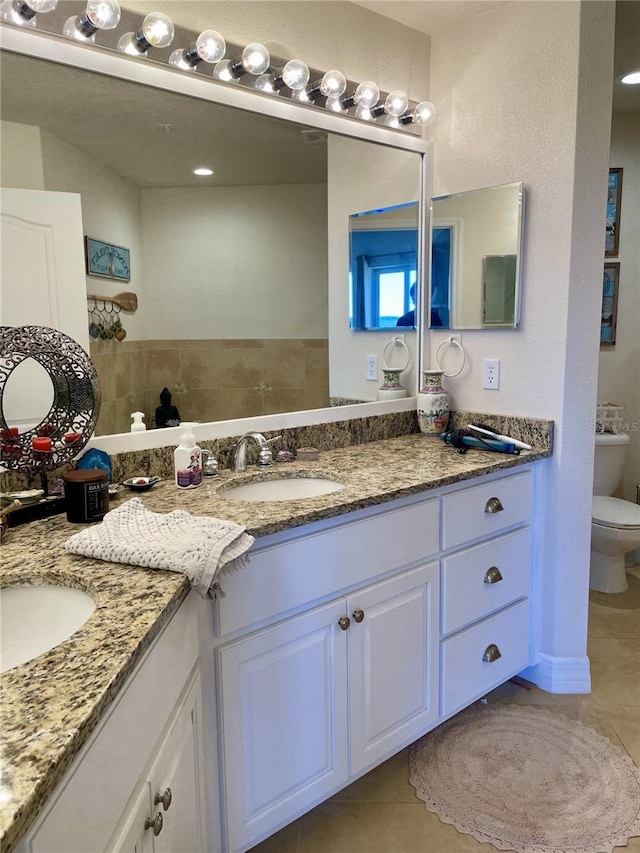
(614, 512)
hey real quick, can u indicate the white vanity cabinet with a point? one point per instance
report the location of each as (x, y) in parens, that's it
(151, 740)
(485, 587)
(340, 647)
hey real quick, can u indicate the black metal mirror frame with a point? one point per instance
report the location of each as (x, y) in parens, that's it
(76, 397)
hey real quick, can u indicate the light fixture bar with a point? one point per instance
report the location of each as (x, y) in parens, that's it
(250, 67)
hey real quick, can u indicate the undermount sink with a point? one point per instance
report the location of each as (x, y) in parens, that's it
(281, 489)
(35, 619)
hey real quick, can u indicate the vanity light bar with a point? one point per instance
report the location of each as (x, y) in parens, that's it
(252, 66)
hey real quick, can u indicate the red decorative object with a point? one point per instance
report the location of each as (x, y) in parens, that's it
(41, 444)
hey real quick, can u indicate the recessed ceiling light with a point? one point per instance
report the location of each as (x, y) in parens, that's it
(203, 171)
(631, 79)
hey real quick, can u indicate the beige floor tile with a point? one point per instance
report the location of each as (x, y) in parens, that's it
(285, 841)
(617, 615)
(388, 783)
(615, 670)
(632, 847)
(381, 828)
(625, 719)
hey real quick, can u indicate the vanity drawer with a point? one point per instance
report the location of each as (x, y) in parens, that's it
(288, 577)
(484, 578)
(486, 510)
(465, 675)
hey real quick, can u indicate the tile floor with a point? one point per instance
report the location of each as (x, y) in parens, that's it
(380, 812)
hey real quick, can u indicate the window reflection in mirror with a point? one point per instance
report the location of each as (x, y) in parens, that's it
(476, 258)
(383, 252)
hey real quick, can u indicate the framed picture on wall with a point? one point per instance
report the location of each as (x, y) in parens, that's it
(614, 197)
(609, 304)
(106, 260)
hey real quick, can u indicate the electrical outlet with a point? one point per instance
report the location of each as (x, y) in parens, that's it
(491, 374)
(372, 368)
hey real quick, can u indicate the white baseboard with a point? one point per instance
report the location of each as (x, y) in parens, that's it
(560, 675)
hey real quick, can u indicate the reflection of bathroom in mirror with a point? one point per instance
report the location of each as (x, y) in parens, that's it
(383, 256)
(237, 275)
(476, 258)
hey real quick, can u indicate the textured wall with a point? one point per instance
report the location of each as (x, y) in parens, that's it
(524, 93)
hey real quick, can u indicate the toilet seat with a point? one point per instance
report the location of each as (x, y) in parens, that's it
(614, 512)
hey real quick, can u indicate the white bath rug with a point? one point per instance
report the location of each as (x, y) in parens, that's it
(528, 780)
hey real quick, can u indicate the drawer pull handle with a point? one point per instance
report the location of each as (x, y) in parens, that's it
(358, 615)
(493, 575)
(493, 505)
(491, 653)
(164, 798)
(344, 622)
(154, 823)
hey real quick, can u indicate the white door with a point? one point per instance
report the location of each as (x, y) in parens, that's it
(393, 664)
(42, 283)
(284, 731)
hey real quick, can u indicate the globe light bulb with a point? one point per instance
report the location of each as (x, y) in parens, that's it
(24, 11)
(255, 58)
(222, 71)
(98, 15)
(366, 95)
(208, 47)
(158, 30)
(396, 103)
(333, 83)
(424, 113)
(295, 74)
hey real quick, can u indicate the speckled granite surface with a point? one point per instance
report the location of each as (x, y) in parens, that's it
(50, 705)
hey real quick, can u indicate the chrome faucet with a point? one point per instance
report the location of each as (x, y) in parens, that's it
(265, 456)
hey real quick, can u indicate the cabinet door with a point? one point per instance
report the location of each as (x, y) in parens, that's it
(284, 738)
(393, 664)
(131, 835)
(176, 782)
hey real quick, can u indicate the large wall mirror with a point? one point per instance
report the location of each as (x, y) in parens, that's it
(241, 276)
(476, 258)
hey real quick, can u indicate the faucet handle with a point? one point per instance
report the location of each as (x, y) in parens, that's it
(265, 456)
(272, 440)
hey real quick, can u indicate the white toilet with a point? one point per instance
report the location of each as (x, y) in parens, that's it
(615, 523)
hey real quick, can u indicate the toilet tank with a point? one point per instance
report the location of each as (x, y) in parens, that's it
(609, 461)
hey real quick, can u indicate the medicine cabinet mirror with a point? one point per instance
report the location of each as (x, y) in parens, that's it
(383, 258)
(476, 258)
(241, 277)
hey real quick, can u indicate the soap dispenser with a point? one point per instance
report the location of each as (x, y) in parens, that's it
(138, 424)
(187, 459)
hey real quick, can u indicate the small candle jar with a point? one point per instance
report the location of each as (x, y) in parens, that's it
(86, 493)
(41, 444)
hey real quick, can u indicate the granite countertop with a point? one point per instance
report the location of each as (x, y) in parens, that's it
(51, 704)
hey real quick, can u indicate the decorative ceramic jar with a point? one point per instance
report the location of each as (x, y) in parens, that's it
(433, 404)
(391, 388)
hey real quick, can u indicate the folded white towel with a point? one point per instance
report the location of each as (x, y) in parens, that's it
(199, 547)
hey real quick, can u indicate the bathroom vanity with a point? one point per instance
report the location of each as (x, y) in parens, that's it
(363, 619)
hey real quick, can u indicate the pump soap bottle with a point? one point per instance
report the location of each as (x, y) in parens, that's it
(138, 424)
(187, 459)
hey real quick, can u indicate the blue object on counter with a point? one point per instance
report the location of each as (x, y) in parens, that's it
(463, 440)
(95, 458)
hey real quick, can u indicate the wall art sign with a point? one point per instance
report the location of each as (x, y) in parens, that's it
(106, 260)
(614, 198)
(609, 304)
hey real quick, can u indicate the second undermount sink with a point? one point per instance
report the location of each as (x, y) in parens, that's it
(35, 619)
(281, 489)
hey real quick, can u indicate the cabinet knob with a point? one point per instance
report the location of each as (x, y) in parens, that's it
(154, 823)
(491, 653)
(493, 505)
(344, 622)
(492, 575)
(358, 615)
(164, 798)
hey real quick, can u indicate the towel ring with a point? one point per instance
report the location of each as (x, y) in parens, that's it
(393, 343)
(452, 342)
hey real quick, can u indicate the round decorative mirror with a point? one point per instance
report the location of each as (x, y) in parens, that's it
(74, 396)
